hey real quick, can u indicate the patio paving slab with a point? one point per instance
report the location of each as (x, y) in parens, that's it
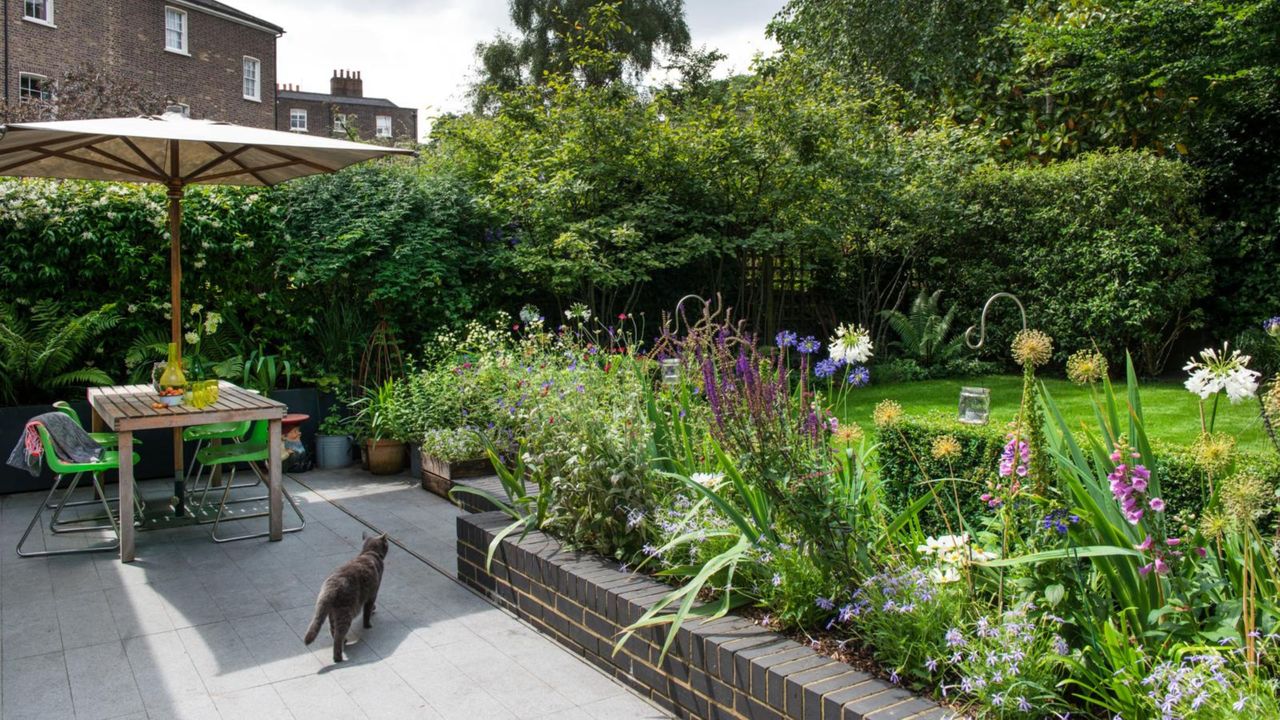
(194, 630)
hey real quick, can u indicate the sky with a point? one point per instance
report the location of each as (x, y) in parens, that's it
(421, 53)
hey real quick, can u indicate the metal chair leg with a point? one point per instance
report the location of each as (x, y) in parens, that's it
(208, 484)
(74, 526)
(222, 506)
(35, 520)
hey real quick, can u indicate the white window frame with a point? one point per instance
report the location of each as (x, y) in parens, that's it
(295, 113)
(378, 126)
(43, 78)
(48, 10)
(245, 63)
(184, 31)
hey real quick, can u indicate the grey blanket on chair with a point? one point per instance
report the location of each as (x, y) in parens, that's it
(70, 442)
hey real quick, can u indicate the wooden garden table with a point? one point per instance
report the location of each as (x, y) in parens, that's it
(124, 409)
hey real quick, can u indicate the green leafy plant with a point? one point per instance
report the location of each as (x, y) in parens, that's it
(39, 353)
(453, 445)
(924, 331)
(376, 414)
(262, 371)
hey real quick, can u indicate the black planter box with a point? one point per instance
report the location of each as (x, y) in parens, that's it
(156, 448)
(725, 668)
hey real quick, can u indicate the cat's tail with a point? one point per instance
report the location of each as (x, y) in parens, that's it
(322, 611)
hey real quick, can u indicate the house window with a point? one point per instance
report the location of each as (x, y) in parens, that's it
(175, 30)
(298, 120)
(34, 87)
(38, 10)
(252, 79)
(384, 126)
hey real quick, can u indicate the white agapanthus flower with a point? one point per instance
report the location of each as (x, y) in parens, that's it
(851, 345)
(951, 552)
(710, 480)
(1217, 371)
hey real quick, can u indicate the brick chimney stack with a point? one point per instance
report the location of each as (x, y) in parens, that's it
(346, 83)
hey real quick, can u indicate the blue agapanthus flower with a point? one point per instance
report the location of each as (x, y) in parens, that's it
(785, 339)
(808, 346)
(859, 375)
(825, 368)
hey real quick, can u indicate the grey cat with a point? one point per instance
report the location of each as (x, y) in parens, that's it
(350, 589)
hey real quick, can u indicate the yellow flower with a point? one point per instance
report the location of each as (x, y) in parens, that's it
(849, 434)
(1246, 497)
(1213, 451)
(1215, 524)
(1271, 402)
(1086, 367)
(1032, 348)
(945, 447)
(886, 413)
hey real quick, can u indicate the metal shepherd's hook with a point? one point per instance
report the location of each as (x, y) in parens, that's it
(981, 327)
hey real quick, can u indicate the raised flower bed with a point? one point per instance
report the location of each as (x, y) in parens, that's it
(724, 668)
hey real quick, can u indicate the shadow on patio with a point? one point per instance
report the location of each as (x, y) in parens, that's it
(198, 630)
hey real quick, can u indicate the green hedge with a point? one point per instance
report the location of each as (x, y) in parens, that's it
(906, 447)
(907, 464)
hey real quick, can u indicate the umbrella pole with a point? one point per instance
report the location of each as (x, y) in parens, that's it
(175, 325)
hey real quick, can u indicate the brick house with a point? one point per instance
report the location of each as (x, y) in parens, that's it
(345, 106)
(218, 61)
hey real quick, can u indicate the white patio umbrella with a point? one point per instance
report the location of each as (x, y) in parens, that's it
(176, 151)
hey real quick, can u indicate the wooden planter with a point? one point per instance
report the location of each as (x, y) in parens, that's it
(438, 475)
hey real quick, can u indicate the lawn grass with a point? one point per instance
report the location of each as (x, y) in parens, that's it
(1172, 413)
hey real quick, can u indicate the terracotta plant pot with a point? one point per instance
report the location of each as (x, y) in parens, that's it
(386, 457)
(438, 475)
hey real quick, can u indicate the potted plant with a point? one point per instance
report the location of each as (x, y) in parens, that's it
(449, 455)
(333, 441)
(376, 414)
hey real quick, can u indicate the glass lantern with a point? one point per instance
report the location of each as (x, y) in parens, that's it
(975, 405)
(670, 371)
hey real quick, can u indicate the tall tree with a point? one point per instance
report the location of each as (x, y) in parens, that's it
(543, 46)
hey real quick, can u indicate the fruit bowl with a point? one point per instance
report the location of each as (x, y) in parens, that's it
(171, 396)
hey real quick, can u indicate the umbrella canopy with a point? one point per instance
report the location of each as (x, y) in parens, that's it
(173, 150)
(176, 151)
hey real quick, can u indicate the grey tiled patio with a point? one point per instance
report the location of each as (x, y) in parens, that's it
(198, 630)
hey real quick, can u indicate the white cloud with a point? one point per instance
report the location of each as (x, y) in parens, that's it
(420, 53)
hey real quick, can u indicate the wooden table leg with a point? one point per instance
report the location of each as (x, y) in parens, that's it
(275, 480)
(126, 496)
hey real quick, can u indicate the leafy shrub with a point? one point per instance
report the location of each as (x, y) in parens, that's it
(453, 445)
(1105, 249)
(39, 355)
(907, 446)
(908, 465)
(1183, 482)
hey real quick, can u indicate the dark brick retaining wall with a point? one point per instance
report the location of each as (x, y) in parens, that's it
(725, 668)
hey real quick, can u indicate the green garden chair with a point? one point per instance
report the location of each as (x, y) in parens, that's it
(62, 470)
(253, 452)
(202, 435)
(108, 440)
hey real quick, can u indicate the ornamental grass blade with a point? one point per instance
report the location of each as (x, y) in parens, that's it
(1061, 554)
(907, 515)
